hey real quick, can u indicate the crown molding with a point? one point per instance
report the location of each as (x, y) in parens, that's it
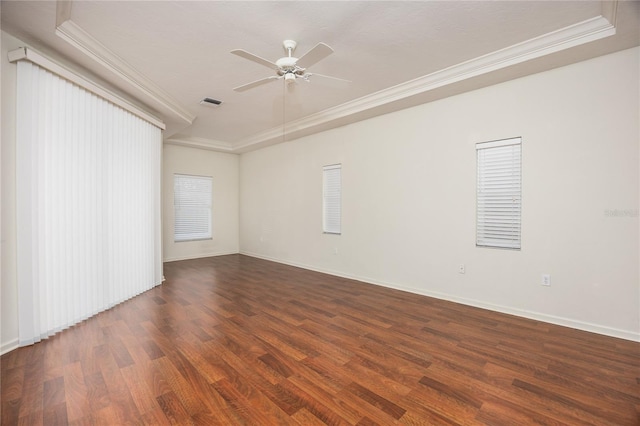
(73, 34)
(610, 11)
(201, 143)
(574, 35)
(63, 11)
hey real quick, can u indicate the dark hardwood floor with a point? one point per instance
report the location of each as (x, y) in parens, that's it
(237, 340)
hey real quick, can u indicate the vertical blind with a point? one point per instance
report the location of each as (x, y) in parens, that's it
(88, 203)
(192, 207)
(499, 195)
(331, 199)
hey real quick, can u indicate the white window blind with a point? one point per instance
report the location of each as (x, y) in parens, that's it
(331, 199)
(88, 203)
(499, 195)
(192, 206)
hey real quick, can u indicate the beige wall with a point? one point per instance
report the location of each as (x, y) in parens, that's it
(409, 198)
(224, 170)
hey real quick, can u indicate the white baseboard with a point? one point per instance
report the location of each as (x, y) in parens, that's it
(552, 319)
(8, 346)
(198, 256)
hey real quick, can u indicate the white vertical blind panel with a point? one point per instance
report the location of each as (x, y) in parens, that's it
(332, 199)
(88, 223)
(499, 197)
(192, 207)
(25, 156)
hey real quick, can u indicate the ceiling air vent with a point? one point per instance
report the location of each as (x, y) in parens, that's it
(210, 102)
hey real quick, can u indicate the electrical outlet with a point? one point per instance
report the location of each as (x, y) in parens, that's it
(546, 280)
(461, 268)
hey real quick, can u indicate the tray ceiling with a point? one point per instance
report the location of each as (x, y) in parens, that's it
(168, 55)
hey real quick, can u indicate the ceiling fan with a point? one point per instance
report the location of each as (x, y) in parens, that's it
(289, 67)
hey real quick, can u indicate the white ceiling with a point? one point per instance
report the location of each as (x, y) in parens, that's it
(168, 55)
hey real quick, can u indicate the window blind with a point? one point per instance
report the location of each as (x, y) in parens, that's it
(331, 199)
(192, 207)
(88, 203)
(499, 195)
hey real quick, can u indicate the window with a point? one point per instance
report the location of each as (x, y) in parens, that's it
(499, 194)
(89, 232)
(192, 206)
(331, 198)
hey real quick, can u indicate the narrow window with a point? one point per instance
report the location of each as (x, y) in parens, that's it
(499, 195)
(331, 199)
(192, 206)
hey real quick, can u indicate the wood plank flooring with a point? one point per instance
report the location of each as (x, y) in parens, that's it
(234, 340)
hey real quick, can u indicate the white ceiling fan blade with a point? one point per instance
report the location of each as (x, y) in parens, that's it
(255, 83)
(311, 74)
(319, 52)
(255, 58)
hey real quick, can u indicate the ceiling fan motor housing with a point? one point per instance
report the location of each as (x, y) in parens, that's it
(287, 65)
(287, 62)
